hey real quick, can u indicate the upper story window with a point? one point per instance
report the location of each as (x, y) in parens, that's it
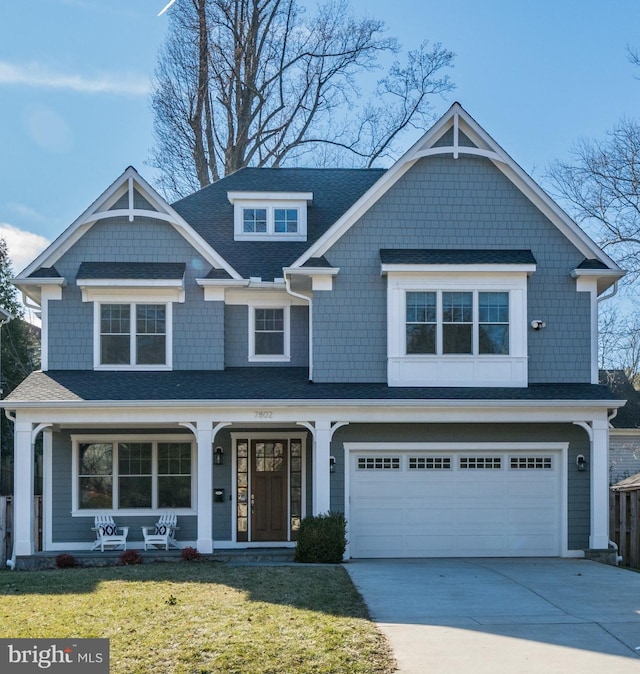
(269, 334)
(445, 322)
(133, 334)
(133, 310)
(457, 318)
(268, 216)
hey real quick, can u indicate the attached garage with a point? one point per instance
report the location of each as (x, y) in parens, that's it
(476, 500)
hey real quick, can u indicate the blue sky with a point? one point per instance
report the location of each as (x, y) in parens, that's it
(75, 78)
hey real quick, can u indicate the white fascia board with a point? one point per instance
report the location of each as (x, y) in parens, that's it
(222, 283)
(34, 287)
(235, 196)
(459, 268)
(420, 405)
(312, 271)
(95, 212)
(456, 115)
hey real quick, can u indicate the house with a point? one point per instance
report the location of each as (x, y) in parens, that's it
(624, 433)
(415, 347)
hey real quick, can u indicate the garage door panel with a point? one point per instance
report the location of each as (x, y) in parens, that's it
(494, 506)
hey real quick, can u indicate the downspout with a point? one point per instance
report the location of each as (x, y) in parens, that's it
(308, 300)
(613, 544)
(11, 563)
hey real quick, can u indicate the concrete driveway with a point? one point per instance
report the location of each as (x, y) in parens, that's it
(489, 616)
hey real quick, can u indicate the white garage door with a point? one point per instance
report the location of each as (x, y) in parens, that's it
(455, 504)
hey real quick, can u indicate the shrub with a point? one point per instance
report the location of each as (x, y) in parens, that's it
(190, 554)
(322, 539)
(130, 557)
(66, 561)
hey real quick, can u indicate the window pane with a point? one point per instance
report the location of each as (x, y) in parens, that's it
(174, 492)
(174, 458)
(151, 349)
(421, 338)
(285, 220)
(493, 307)
(114, 318)
(135, 492)
(421, 307)
(494, 339)
(254, 220)
(95, 492)
(114, 334)
(134, 458)
(456, 338)
(96, 459)
(457, 307)
(150, 319)
(269, 332)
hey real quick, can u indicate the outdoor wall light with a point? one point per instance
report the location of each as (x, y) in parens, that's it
(332, 464)
(538, 325)
(218, 456)
(581, 462)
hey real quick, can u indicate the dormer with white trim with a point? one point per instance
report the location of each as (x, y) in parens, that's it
(270, 216)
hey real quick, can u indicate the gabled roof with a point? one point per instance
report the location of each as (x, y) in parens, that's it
(130, 196)
(211, 214)
(468, 138)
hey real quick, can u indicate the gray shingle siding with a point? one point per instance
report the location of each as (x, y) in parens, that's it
(450, 203)
(198, 325)
(236, 339)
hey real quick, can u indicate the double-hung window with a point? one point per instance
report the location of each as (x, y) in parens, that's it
(269, 333)
(137, 474)
(133, 334)
(457, 322)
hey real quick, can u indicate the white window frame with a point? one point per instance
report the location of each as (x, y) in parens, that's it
(473, 369)
(475, 322)
(97, 342)
(269, 358)
(269, 202)
(77, 440)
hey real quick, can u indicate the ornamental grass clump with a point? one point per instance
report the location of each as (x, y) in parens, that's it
(322, 539)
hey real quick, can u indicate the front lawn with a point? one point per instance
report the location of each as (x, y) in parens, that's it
(194, 618)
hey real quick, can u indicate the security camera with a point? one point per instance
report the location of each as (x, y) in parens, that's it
(538, 325)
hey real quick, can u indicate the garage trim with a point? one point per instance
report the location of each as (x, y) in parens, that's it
(486, 448)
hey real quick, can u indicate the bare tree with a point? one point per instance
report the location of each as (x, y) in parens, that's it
(602, 187)
(259, 83)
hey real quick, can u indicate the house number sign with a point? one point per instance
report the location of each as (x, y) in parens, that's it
(264, 414)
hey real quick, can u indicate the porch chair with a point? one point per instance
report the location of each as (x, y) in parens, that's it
(107, 535)
(162, 533)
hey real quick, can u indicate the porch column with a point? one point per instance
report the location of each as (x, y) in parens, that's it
(204, 438)
(599, 538)
(23, 459)
(321, 469)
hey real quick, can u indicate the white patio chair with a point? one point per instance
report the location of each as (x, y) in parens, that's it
(162, 533)
(107, 535)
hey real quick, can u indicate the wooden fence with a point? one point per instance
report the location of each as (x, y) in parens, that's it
(625, 525)
(6, 527)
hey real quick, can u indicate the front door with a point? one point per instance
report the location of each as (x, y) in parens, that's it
(269, 490)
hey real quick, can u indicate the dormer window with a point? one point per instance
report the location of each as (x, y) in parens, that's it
(270, 216)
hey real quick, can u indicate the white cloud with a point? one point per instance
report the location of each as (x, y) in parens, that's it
(38, 75)
(23, 246)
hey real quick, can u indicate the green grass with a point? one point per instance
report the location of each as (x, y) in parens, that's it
(202, 617)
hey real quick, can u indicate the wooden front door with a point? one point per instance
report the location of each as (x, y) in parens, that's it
(269, 490)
